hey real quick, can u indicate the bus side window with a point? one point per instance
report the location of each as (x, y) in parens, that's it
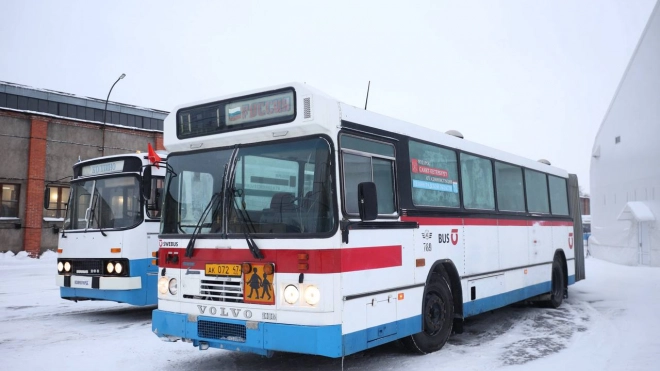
(366, 160)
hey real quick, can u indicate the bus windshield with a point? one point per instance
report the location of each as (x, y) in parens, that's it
(107, 203)
(276, 188)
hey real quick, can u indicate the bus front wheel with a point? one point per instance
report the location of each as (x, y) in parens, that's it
(437, 317)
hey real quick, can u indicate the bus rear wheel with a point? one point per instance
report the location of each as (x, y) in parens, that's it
(558, 285)
(437, 318)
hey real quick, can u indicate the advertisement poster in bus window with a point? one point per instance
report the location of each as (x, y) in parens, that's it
(434, 175)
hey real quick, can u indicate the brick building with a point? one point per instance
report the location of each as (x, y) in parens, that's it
(42, 134)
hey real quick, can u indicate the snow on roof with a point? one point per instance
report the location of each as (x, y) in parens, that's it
(636, 210)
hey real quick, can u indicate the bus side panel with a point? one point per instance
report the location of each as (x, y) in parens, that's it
(378, 265)
(482, 251)
(513, 240)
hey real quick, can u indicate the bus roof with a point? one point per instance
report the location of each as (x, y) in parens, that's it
(371, 119)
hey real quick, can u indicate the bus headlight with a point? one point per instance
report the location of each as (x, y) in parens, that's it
(312, 295)
(173, 286)
(110, 267)
(118, 268)
(67, 266)
(291, 294)
(163, 283)
(60, 266)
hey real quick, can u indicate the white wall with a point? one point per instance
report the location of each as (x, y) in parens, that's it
(629, 170)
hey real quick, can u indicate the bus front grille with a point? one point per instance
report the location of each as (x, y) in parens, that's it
(227, 289)
(87, 266)
(221, 331)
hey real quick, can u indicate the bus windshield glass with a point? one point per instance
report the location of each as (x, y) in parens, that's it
(277, 188)
(106, 203)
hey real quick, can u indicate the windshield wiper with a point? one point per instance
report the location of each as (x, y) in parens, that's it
(254, 249)
(198, 227)
(92, 214)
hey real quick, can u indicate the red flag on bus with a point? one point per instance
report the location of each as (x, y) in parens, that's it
(153, 156)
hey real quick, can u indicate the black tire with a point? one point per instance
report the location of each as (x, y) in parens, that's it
(558, 285)
(437, 317)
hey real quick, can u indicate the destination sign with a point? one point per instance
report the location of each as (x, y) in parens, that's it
(103, 168)
(264, 107)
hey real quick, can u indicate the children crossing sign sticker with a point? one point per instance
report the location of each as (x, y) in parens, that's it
(258, 284)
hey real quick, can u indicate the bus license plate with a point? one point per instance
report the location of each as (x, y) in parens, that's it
(223, 270)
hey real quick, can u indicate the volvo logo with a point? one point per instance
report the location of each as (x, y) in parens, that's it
(225, 312)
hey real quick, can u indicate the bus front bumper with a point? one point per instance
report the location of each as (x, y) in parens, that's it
(128, 290)
(247, 336)
(101, 283)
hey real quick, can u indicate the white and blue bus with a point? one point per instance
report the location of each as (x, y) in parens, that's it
(294, 222)
(109, 237)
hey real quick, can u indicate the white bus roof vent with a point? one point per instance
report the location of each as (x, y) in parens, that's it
(544, 161)
(455, 133)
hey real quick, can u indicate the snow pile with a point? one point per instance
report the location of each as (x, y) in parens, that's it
(22, 257)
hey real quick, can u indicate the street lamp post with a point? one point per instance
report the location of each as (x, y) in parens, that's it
(105, 111)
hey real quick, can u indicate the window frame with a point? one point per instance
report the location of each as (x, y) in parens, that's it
(547, 192)
(370, 155)
(462, 186)
(552, 210)
(60, 204)
(456, 152)
(524, 190)
(17, 201)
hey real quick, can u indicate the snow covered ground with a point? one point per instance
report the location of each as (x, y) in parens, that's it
(611, 321)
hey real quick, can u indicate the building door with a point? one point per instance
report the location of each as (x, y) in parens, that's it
(644, 244)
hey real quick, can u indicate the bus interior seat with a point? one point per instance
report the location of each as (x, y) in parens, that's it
(282, 209)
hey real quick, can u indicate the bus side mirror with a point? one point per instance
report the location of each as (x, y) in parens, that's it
(367, 201)
(146, 183)
(47, 198)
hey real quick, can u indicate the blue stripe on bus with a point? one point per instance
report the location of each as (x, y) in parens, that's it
(475, 307)
(147, 295)
(321, 340)
(268, 337)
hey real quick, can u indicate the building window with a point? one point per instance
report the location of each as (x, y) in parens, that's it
(9, 200)
(59, 196)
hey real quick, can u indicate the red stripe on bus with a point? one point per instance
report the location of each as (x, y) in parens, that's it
(485, 222)
(288, 261)
(552, 223)
(513, 223)
(433, 221)
(480, 222)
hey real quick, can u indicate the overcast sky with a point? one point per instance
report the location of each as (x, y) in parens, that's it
(530, 77)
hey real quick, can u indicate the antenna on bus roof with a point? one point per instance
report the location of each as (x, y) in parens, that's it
(367, 100)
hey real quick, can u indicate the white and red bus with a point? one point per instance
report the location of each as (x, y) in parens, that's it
(294, 222)
(110, 230)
